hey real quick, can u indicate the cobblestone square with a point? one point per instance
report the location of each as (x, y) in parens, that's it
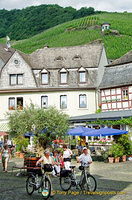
(114, 182)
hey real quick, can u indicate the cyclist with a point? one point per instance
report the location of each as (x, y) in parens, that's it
(85, 159)
(67, 153)
(47, 159)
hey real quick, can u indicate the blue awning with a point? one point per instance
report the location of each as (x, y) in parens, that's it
(105, 132)
(78, 131)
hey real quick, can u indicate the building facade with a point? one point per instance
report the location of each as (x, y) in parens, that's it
(116, 85)
(66, 77)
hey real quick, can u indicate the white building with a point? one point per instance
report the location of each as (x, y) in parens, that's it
(105, 26)
(66, 77)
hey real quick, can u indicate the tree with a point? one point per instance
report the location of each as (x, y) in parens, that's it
(45, 123)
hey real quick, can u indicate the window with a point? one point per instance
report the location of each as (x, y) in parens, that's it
(63, 77)
(59, 58)
(125, 94)
(106, 27)
(82, 77)
(16, 103)
(44, 102)
(63, 101)
(20, 103)
(82, 101)
(12, 103)
(44, 78)
(20, 79)
(13, 79)
(16, 79)
(16, 62)
(77, 57)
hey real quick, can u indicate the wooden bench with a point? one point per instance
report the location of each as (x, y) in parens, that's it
(29, 165)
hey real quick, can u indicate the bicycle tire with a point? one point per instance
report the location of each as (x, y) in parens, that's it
(95, 183)
(61, 183)
(49, 189)
(28, 183)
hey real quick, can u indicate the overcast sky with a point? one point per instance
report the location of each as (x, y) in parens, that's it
(108, 5)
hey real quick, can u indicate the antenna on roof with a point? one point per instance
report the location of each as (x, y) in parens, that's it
(7, 43)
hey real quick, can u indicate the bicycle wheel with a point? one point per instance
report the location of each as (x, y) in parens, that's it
(65, 183)
(30, 187)
(89, 185)
(46, 188)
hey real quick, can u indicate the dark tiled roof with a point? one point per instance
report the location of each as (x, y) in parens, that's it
(110, 115)
(117, 76)
(88, 56)
(127, 58)
(105, 23)
(5, 55)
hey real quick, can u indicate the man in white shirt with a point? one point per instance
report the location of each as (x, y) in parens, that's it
(85, 159)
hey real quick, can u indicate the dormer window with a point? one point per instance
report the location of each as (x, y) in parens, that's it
(82, 75)
(63, 76)
(44, 77)
(77, 57)
(59, 58)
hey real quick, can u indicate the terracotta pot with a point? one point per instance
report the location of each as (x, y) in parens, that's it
(117, 159)
(17, 154)
(124, 158)
(22, 155)
(111, 159)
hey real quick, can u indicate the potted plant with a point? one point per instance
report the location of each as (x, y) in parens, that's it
(125, 141)
(117, 151)
(110, 155)
(21, 143)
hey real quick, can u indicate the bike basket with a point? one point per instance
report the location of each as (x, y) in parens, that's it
(65, 173)
(48, 168)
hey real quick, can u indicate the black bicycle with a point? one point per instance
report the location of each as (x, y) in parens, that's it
(43, 185)
(68, 179)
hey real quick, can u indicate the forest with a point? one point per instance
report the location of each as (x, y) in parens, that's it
(24, 23)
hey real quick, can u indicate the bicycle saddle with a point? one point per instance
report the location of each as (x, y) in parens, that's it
(72, 167)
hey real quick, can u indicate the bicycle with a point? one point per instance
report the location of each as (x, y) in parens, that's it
(68, 179)
(43, 186)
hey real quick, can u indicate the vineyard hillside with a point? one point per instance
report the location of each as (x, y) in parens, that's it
(84, 31)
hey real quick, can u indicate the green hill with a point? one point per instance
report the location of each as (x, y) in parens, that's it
(76, 33)
(27, 22)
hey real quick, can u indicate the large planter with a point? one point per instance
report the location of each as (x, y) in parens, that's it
(17, 154)
(124, 158)
(111, 159)
(22, 155)
(117, 159)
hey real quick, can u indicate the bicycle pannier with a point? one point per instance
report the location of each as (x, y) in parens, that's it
(65, 173)
(48, 168)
